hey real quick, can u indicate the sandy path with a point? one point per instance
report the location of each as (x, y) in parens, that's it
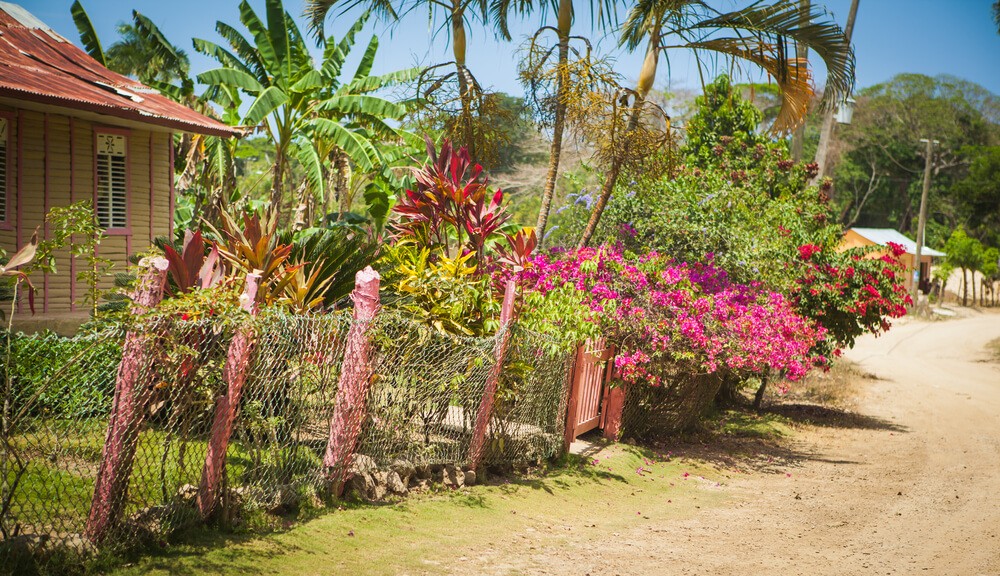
(912, 486)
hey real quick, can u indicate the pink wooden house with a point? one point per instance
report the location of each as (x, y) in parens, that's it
(71, 129)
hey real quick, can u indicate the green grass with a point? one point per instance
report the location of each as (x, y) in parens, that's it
(745, 423)
(427, 534)
(54, 493)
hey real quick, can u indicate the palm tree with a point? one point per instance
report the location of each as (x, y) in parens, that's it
(296, 102)
(759, 34)
(138, 52)
(455, 13)
(564, 13)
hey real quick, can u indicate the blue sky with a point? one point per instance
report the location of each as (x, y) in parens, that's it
(931, 37)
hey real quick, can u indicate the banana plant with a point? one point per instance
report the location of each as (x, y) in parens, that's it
(297, 102)
(455, 14)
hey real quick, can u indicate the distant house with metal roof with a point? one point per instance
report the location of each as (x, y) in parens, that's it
(862, 237)
(70, 129)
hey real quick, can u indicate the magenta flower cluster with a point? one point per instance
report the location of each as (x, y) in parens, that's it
(666, 315)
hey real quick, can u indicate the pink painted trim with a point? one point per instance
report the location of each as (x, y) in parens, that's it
(45, 204)
(20, 181)
(5, 222)
(150, 188)
(170, 180)
(127, 230)
(72, 198)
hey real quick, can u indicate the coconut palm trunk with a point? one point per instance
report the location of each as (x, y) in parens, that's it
(802, 54)
(342, 166)
(555, 153)
(464, 81)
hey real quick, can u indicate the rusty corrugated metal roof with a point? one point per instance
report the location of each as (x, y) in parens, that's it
(39, 65)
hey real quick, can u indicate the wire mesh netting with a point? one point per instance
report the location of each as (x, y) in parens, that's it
(118, 438)
(651, 412)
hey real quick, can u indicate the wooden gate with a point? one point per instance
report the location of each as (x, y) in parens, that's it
(591, 373)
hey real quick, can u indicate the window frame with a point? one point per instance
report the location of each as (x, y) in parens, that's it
(115, 230)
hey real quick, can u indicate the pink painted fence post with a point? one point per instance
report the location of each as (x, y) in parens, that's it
(614, 405)
(477, 448)
(355, 379)
(234, 374)
(132, 393)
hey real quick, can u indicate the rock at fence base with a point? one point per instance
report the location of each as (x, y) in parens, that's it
(187, 494)
(378, 492)
(453, 476)
(423, 471)
(23, 546)
(362, 485)
(470, 477)
(362, 464)
(79, 545)
(395, 484)
(287, 495)
(404, 468)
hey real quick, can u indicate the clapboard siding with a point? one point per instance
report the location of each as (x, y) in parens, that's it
(51, 157)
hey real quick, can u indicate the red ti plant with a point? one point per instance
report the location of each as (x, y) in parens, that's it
(191, 268)
(483, 218)
(451, 205)
(255, 247)
(518, 257)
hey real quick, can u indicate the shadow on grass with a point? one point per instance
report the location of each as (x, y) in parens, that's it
(198, 542)
(559, 475)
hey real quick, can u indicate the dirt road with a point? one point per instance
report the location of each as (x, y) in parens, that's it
(910, 485)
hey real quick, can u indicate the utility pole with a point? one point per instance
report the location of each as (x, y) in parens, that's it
(922, 222)
(802, 57)
(826, 131)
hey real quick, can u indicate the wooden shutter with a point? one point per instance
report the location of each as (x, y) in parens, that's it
(4, 132)
(112, 181)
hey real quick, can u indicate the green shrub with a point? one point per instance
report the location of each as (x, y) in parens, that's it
(64, 377)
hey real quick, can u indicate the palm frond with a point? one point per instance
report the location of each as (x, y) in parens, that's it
(790, 21)
(171, 56)
(792, 75)
(88, 35)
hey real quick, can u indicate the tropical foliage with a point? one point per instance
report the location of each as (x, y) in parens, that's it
(315, 110)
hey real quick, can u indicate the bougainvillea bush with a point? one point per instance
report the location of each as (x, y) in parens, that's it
(849, 293)
(660, 312)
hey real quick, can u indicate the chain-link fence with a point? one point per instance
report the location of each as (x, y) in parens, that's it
(117, 438)
(651, 412)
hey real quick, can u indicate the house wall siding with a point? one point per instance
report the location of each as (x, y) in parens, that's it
(51, 159)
